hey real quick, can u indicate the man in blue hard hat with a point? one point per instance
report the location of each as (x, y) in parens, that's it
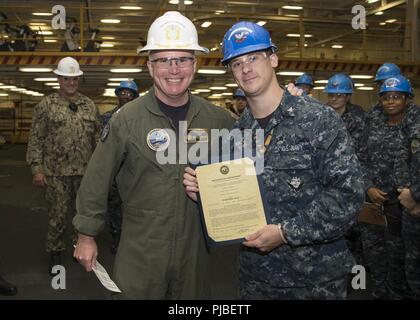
(126, 92)
(239, 102)
(312, 180)
(305, 83)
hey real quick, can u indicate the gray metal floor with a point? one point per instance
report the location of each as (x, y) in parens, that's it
(23, 260)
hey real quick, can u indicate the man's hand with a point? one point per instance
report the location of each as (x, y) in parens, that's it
(39, 180)
(293, 90)
(406, 199)
(265, 239)
(86, 252)
(376, 195)
(190, 183)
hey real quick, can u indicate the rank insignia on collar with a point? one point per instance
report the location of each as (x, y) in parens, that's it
(158, 139)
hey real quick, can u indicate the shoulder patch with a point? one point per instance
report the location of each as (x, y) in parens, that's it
(105, 132)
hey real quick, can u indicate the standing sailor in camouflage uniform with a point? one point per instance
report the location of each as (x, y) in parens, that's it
(305, 83)
(312, 181)
(339, 89)
(126, 92)
(65, 128)
(388, 170)
(162, 252)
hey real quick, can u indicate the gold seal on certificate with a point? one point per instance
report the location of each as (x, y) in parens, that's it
(230, 199)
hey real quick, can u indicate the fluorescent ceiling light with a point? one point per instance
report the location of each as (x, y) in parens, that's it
(50, 40)
(110, 21)
(382, 23)
(45, 33)
(108, 37)
(206, 24)
(360, 76)
(106, 45)
(379, 13)
(131, 8)
(122, 70)
(4, 94)
(211, 71)
(24, 69)
(120, 79)
(7, 87)
(219, 12)
(366, 88)
(56, 87)
(297, 35)
(45, 79)
(372, 1)
(186, 2)
(318, 88)
(203, 90)
(194, 92)
(292, 7)
(18, 89)
(391, 20)
(113, 84)
(337, 46)
(52, 84)
(227, 94)
(232, 85)
(359, 84)
(261, 23)
(290, 73)
(321, 81)
(46, 14)
(218, 88)
(292, 15)
(37, 24)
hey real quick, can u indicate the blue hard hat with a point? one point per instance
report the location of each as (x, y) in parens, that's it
(398, 84)
(387, 70)
(245, 37)
(304, 79)
(130, 85)
(239, 93)
(339, 83)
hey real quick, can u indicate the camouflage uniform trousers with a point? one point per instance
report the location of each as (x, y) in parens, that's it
(411, 235)
(354, 243)
(332, 290)
(384, 257)
(115, 214)
(61, 197)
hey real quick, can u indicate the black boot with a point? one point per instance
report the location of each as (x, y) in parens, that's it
(55, 259)
(6, 288)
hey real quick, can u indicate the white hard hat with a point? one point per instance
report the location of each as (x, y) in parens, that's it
(172, 31)
(68, 67)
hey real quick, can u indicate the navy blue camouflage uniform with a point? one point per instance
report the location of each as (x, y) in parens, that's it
(114, 199)
(388, 169)
(354, 118)
(411, 223)
(312, 180)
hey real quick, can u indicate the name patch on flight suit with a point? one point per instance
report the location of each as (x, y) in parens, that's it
(105, 132)
(195, 135)
(158, 139)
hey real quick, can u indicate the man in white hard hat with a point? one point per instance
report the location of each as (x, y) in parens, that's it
(65, 128)
(162, 251)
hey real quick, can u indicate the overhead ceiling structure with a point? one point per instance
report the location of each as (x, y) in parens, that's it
(320, 37)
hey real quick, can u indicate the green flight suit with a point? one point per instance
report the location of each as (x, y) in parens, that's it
(162, 252)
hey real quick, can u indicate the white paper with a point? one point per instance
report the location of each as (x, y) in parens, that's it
(104, 278)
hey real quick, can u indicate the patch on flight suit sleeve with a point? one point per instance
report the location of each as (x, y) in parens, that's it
(415, 144)
(105, 132)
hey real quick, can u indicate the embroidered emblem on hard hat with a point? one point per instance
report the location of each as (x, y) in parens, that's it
(72, 69)
(391, 82)
(295, 183)
(335, 84)
(240, 34)
(415, 145)
(105, 132)
(173, 32)
(158, 139)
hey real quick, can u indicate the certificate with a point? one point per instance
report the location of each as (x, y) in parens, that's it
(231, 201)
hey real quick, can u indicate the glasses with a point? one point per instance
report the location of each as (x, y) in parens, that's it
(126, 93)
(392, 97)
(249, 59)
(336, 96)
(73, 107)
(181, 62)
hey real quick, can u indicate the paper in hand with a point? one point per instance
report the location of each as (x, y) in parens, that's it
(104, 278)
